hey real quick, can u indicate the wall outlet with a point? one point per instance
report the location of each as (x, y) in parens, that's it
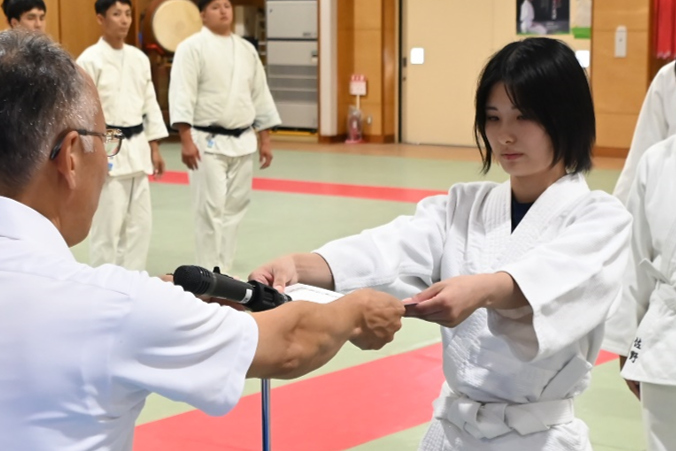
(369, 120)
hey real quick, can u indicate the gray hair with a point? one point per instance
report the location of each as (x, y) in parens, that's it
(42, 94)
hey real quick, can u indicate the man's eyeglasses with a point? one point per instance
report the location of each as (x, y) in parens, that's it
(112, 141)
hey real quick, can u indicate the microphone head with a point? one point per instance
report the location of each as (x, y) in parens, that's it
(193, 279)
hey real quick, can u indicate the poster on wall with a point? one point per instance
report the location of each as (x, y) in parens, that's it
(582, 19)
(542, 17)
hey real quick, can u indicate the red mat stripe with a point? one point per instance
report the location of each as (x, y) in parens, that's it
(322, 189)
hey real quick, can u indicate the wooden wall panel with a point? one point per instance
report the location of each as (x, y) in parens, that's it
(619, 84)
(622, 82)
(617, 131)
(79, 28)
(368, 45)
(389, 69)
(368, 26)
(346, 49)
(373, 110)
(633, 14)
(53, 26)
(368, 14)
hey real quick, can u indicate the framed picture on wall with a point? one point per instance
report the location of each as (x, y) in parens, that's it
(542, 17)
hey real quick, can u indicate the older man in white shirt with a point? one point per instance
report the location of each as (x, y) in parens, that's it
(218, 98)
(81, 347)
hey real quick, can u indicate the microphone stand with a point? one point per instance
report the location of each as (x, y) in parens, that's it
(265, 396)
(260, 297)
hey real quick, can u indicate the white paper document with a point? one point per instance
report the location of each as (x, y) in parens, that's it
(302, 292)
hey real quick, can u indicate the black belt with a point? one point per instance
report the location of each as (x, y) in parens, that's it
(128, 132)
(216, 130)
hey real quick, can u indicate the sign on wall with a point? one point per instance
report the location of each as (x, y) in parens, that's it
(358, 85)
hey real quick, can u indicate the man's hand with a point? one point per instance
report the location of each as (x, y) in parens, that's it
(264, 149)
(634, 386)
(158, 161)
(190, 155)
(381, 318)
(265, 155)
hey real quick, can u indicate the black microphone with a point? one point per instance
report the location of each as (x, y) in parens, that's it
(256, 296)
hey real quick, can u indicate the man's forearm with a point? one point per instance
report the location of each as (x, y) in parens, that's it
(184, 132)
(300, 337)
(264, 136)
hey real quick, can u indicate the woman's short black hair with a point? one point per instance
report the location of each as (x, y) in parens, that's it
(102, 6)
(545, 81)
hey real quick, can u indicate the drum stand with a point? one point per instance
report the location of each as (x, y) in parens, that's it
(265, 396)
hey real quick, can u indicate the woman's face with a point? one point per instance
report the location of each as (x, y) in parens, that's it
(520, 144)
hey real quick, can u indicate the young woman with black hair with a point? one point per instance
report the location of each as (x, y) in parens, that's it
(520, 275)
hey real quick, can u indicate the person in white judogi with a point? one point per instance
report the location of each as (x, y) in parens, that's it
(122, 225)
(643, 330)
(520, 275)
(656, 122)
(218, 99)
(526, 18)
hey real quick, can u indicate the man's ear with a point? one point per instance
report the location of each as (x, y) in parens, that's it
(100, 18)
(13, 22)
(69, 158)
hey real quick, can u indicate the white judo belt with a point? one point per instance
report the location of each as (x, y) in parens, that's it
(664, 286)
(490, 420)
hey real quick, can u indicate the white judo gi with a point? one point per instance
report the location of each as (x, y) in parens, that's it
(220, 81)
(644, 326)
(511, 376)
(526, 16)
(121, 228)
(656, 122)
